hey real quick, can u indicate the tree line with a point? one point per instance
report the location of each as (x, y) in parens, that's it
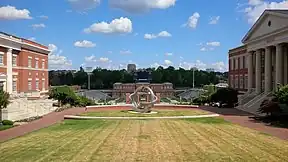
(104, 79)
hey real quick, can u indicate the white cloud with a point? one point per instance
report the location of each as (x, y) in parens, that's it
(140, 6)
(214, 44)
(160, 34)
(109, 52)
(84, 4)
(43, 17)
(169, 54)
(125, 52)
(121, 25)
(103, 59)
(214, 20)
(256, 7)
(209, 46)
(11, 13)
(32, 38)
(56, 60)
(36, 26)
(150, 36)
(168, 62)
(164, 34)
(219, 66)
(91, 58)
(193, 20)
(84, 44)
(198, 64)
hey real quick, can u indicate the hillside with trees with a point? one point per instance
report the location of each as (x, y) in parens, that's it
(104, 79)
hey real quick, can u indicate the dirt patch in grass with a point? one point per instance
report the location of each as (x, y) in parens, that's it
(145, 140)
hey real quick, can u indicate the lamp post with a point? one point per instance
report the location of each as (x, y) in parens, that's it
(88, 70)
(193, 77)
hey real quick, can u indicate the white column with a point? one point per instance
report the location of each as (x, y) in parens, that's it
(250, 72)
(9, 72)
(285, 65)
(258, 71)
(279, 65)
(268, 69)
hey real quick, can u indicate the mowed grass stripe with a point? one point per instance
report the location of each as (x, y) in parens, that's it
(210, 149)
(173, 149)
(67, 151)
(27, 150)
(189, 151)
(91, 150)
(115, 143)
(233, 152)
(129, 145)
(276, 153)
(236, 143)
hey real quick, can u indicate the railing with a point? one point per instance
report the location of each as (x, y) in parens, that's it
(260, 98)
(253, 99)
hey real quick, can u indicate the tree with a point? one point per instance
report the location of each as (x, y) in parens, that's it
(4, 102)
(282, 95)
(269, 107)
(227, 96)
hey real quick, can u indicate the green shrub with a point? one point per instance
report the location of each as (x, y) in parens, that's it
(282, 95)
(84, 101)
(227, 96)
(7, 122)
(64, 95)
(269, 107)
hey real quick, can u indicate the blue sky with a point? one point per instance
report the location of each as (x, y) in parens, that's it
(178, 32)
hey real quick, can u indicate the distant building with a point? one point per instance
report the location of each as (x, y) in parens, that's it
(23, 65)
(122, 89)
(131, 68)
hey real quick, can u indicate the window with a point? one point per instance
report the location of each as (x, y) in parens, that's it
(36, 74)
(240, 63)
(14, 60)
(43, 74)
(244, 62)
(36, 64)
(29, 73)
(236, 82)
(1, 57)
(246, 82)
(43, 84)
(29, 85)
(37, 84)
(29, 62)
(241, 82)
(43, 65)
(14, 86)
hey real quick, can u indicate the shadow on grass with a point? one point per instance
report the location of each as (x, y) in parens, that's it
(210, 120)
(275, 121)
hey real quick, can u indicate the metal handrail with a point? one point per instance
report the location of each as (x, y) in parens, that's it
(262, 96)
(255, 98)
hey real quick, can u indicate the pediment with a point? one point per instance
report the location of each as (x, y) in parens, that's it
(268, 23)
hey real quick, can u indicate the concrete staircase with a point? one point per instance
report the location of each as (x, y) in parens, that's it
(252, 102)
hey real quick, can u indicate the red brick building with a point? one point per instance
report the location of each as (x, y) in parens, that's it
(23, 65)
(122, 89)
(238, 69)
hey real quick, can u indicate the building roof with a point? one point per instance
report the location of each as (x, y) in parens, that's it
(283, 13)
(24, 41)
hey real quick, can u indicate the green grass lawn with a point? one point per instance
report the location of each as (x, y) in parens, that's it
(209, 139)
(161, 112)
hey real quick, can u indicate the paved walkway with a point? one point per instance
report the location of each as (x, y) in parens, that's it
(242, 118)
(233, 115)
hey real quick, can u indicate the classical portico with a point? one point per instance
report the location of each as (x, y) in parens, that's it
(267, 52)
